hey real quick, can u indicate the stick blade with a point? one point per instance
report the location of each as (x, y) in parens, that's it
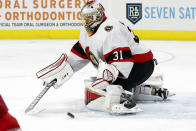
(28, 110)
(31, 106)
(34, 111)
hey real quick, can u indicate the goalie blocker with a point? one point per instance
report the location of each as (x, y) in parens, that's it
(59, 70)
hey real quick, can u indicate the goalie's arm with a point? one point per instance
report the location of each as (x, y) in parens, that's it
(77, 57)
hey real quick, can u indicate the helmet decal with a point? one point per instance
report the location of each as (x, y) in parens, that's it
(92, 15)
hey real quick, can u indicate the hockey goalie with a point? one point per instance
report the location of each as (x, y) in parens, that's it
(124, 66)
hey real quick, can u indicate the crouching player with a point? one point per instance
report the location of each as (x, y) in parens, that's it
(7, 121)
(123, 64)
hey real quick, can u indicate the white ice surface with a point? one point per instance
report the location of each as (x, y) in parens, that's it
(21, 59)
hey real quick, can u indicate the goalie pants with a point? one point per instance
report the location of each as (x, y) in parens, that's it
(139, 74)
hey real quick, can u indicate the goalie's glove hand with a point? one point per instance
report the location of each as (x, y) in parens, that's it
(59, 70)
(106, 74)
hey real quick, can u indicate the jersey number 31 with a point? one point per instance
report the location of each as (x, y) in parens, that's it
(118, 55)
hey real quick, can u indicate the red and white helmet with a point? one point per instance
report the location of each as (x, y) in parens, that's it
(92, 14)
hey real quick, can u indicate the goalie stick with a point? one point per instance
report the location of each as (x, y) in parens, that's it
(41, 94)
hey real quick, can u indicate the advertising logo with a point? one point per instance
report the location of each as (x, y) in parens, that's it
(134, 12)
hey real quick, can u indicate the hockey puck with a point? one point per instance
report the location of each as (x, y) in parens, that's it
(70, 115)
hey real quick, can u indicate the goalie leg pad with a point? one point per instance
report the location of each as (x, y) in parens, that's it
(111, 93)
(118, 101)
(94, 97)
(113, 96)
(108, 100)
(97, 100)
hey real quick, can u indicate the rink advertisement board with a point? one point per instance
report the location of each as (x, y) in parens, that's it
(157, 14)
(162, 19)
(40, 14)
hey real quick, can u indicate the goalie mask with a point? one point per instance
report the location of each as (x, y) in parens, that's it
(92, 15)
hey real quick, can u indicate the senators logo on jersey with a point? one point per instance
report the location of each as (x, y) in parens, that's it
(92, 57)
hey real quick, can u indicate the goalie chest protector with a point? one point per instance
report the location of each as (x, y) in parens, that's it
(114, 43)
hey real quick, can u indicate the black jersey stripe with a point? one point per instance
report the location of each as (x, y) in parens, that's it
(119, 54)
(78, 50)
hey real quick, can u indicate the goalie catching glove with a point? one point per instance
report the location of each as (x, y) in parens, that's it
(106, 75)
(59, 70)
